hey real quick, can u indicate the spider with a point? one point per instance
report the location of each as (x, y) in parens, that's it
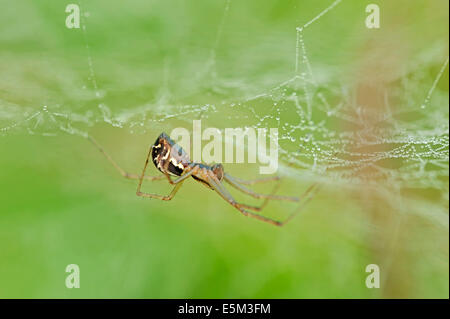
(171, 160)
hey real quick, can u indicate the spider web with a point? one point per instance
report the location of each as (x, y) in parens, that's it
(402, 143)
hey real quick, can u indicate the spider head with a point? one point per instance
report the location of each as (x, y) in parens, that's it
(218, 171)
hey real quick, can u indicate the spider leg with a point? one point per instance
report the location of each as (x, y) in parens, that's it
(221, 190)
(117, 167)
(306, 196)
(178, 182)
(233, 182)
(161, 197)
(256, 181)
(266, 200)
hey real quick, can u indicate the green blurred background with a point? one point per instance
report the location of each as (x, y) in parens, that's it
(62, 203)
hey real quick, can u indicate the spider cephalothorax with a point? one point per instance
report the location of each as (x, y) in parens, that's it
(218, 171)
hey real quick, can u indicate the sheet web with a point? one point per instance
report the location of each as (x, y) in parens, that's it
(330, 134)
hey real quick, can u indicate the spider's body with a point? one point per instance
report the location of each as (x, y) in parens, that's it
(168, 156)
(171, 160)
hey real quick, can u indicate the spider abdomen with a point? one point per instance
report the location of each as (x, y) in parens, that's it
(169, 157)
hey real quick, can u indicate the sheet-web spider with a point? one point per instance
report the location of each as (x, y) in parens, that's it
(171, 160)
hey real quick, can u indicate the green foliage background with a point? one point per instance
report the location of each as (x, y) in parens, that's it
(62, 203)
